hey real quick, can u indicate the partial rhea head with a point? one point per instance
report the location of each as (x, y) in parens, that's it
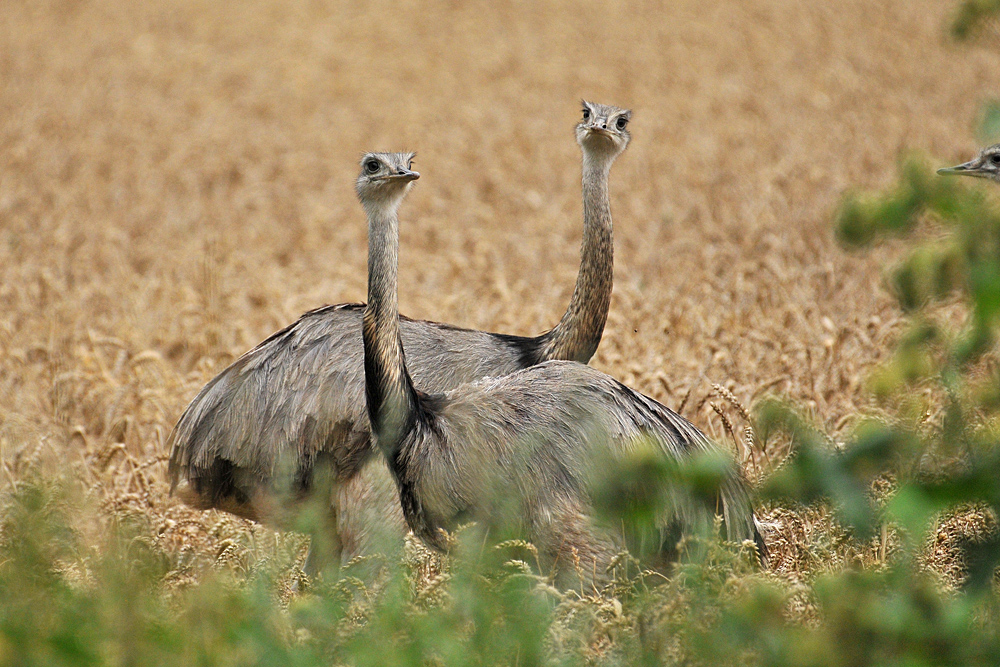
(385, 178)
(985, 165)
(603, 129)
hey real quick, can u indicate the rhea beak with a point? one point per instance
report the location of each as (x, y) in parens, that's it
(970, 168)
(602, 131)
(401, 175)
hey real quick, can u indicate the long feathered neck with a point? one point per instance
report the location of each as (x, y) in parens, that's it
(388, 387)
(578, 333)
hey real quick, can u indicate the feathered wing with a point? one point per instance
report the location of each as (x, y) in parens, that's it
(274, 404)
(679, 437)
(541, 431)
(261, 425)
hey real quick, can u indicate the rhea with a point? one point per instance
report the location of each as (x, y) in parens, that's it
(984, 165)
(517, 450)
(292, 410)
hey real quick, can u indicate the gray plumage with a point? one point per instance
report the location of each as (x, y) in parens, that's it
(521, 446)
(293, 407)
(984, 165)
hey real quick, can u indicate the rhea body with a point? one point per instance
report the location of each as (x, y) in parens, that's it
(984, 165)
(294, 407)
(517, 450)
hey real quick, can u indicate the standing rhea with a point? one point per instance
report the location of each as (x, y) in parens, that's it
(984, 165)
(519, 450)
(293, 407)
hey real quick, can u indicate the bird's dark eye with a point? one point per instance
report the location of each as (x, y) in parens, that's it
(995, 158)
(372, 166)
(586, 114)
(621, 122)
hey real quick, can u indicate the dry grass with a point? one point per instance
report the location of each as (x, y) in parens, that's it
(176, 183)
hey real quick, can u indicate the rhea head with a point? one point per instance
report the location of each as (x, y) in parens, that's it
(385, 178)
(603, 131)
(984, 165)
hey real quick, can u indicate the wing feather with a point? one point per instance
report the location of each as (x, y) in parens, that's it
(299, 396)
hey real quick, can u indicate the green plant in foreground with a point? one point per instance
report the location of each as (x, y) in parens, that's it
(971, 16)
(937, 454)
(943, 377)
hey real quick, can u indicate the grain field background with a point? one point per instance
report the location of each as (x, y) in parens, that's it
(176, 183)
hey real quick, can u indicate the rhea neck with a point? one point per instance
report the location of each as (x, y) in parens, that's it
(578, 333)
(388, 387)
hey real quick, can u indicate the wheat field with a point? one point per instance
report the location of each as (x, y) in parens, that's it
(176, 182)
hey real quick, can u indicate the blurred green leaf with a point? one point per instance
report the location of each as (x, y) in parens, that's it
(971, 16)
(634, 491)
(988, 130)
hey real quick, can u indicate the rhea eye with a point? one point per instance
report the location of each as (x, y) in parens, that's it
(995, 158)
(586, 114)
(372, 166)
(621, 122)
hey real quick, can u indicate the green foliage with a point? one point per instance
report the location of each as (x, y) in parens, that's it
(70, 600)
(67, 601)
(936, 454)
(971, 16)
(68, 604)
(964, 264)
(989, 122)
(943, 450)
(821, 473)
(868, 618)
(637, 490)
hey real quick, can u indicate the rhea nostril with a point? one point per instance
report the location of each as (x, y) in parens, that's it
(604, 126)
